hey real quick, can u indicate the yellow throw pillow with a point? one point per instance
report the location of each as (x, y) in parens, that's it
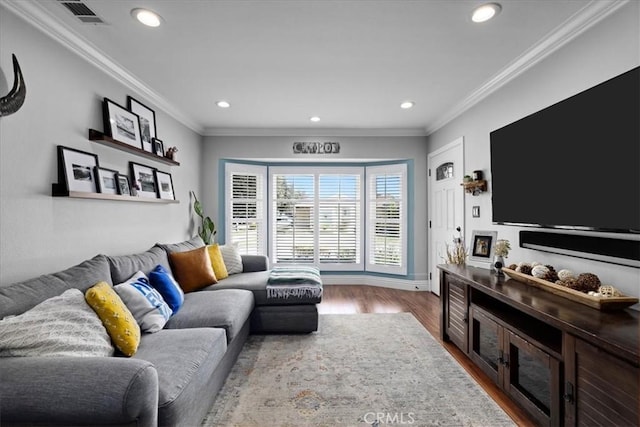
(116, 317)
(192, 269)
(217, 262)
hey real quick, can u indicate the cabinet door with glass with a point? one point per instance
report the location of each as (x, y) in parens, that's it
(528, 374)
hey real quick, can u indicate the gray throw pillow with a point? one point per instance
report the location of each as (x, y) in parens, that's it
(232, 259)
(145, 303)
(64, 325)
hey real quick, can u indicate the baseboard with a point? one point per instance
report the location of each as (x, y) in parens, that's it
(384, 282)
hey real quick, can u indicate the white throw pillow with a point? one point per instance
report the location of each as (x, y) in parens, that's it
(145, 303)
(60, 326)
(232, 259)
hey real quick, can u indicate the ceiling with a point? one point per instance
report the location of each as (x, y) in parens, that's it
(279, 62)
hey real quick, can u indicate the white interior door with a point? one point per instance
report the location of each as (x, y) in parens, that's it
(446, 203)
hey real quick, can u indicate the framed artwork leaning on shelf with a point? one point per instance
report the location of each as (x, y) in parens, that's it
(165, 185)
(76, 168)
(106, 180)
(145, 177)
(147, 120)
(124, 188)
(121, 124)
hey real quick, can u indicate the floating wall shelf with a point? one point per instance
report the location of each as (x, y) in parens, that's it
(475, 187)
(101, 138)
(59, 191)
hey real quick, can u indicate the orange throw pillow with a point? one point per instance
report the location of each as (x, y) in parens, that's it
(192, 269)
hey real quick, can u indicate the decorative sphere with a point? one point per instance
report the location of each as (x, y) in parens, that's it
(566, 274)
(540, 271)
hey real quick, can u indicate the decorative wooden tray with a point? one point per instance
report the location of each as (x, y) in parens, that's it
(600, 303)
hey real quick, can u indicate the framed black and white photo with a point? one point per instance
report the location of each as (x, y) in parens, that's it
(158, 147)
(120, 124)
(123, 185)
(482, 246)
(106, 180)
(165, 185)
(147, 118)
(144, 177)
(77, 169)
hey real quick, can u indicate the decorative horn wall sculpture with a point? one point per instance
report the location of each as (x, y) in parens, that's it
(15, 98)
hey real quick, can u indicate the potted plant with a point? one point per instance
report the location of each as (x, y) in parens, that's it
(207, 229)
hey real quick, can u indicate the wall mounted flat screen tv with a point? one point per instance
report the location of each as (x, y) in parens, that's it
(573, 165)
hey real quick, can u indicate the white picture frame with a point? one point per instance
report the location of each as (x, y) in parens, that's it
(482, 247)
(106, 180)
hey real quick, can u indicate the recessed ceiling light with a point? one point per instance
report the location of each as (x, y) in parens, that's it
(314, 119)
(223, 104)
(485, 12)
(407, 104)
(147, 17)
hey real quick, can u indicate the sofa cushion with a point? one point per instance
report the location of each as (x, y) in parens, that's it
(19, 297)
(163, 281)
(217, 262)
(228, 309)
(256, 282)
(115, 316)
(193, 243)
(192, 269)
(125, 266)
(145, 303)
(181, 356)
(64, 325)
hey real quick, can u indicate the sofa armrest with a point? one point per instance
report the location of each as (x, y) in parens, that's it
(252, 263)
(78, 391)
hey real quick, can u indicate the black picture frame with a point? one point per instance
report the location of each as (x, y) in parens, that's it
(121, 124)
(158, 147)
(106, 180)
(165, 185)
(76, 169)
(147, 122)
(145, 178)
(124, 188)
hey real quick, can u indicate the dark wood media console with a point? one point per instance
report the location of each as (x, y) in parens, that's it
(561, 361)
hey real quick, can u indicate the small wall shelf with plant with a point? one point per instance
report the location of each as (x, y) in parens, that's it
(475, 184)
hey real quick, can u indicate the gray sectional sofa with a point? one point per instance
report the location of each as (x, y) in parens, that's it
(173, 378)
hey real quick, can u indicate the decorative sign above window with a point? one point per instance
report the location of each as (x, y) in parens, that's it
(316, 147)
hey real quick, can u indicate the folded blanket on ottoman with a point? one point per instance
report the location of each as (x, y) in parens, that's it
(298, 281)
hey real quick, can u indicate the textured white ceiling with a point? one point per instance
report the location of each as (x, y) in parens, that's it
(349, 62)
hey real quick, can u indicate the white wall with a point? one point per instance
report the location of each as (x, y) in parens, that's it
(42, 234)
(351, 148)
(604, 51)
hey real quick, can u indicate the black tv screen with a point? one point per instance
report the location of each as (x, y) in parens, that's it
(575, 164)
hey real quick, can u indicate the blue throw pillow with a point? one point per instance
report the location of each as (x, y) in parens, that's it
(164, 283)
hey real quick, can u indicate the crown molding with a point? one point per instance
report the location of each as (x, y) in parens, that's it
(36, 15)
(582, 20)
(316, 132)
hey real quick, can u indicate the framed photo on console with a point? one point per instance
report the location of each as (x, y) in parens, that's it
(120, 124)
(106, 180)
(147, 119)
(165, 185)
(145, 178)
(482, 246)
(76, 169)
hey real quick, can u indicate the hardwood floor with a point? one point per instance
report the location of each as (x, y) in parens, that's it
(425, 306)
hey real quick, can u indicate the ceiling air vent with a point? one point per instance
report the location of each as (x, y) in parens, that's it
(81, 11)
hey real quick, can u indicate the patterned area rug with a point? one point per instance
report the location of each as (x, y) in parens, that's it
(357, 370)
